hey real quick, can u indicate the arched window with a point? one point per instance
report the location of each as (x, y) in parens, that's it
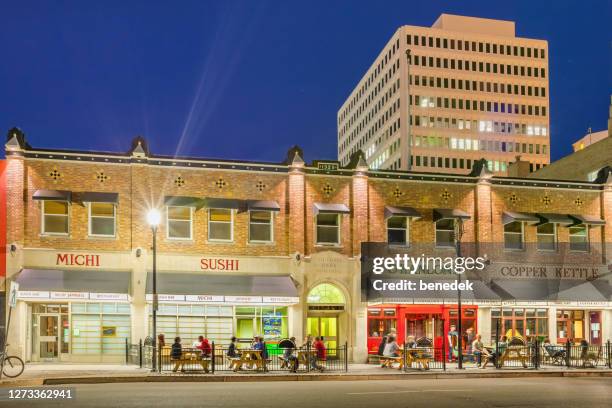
(326, 293)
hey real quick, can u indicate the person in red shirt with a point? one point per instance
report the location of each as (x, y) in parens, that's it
(204, 345)
(321, 354)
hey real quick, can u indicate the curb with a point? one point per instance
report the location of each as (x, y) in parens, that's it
(315, 377)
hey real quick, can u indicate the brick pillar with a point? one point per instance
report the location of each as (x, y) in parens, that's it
(483, 213)
(15, 178)
(606, 213)
(359, 203)
(296, 201)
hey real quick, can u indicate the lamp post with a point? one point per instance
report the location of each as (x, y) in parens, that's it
(458, 234)
(153, 218)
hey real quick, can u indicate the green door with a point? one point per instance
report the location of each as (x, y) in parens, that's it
(326, 327)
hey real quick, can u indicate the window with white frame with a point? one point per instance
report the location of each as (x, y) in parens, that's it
(513, 235)
(328, 229)
(260, 226)
(547, 237)
(445, 233)
(55, 217)
(397, 230)
(179, 222)
(579, 238)
(102, 219)
(220, 224)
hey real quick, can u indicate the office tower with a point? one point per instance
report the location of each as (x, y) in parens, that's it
(468, 87)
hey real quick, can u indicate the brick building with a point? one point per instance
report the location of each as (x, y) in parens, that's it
(250, 248)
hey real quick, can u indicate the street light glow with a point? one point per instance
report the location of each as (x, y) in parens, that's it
(153, 217)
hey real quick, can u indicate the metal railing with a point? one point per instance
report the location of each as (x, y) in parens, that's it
(502, 355)
(191, 360)
(423, 358)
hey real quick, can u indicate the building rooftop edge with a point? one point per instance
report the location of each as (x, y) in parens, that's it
(280, 167)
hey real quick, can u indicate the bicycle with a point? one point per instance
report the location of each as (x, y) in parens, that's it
(12, 366)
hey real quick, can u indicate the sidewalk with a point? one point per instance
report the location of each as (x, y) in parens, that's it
(55, 374)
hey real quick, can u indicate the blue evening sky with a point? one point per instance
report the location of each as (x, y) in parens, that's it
(249, 79)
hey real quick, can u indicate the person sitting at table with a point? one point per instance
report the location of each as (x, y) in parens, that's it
(204, 346)
(320, 355)
(307, 341)
(410, 342)
(177, 352)
(260, 345)
(391, 348)
(232, 351)
(498, 351)
(290, 357)
(381, 346)
(478, 349)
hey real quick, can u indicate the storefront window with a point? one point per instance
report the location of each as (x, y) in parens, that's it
(100, 328)
(380, 327)
(219, 323)
(522, 323)
(102, 219)
(570, 325)
(220, 222)
(55, 217)
(260, 226)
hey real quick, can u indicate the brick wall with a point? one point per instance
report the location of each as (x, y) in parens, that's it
(143, 186)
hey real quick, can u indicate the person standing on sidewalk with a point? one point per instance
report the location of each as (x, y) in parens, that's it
(452, 342)
(320, 354)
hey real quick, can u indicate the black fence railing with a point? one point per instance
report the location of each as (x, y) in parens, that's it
(422, 358)
(191, 360)
(501, 354)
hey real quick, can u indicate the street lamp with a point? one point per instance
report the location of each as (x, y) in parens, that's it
(458, 234)
(153, 219)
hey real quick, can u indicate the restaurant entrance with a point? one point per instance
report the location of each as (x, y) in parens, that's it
(430, 322)
(429, 325)
(326, 327)
(50, 332)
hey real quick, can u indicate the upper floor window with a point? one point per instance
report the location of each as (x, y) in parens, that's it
(179, 222)
(55, 217)
(220, 224)
(445, 233)
(579, 238)
(260, 226)
(547, 237)
(328, 229)
(513, 235)
(102, 219)
(397, 230)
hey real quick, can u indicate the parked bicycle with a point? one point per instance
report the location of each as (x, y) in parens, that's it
(13, 366)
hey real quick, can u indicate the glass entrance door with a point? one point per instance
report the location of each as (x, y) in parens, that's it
(48, 337)
(325, 326)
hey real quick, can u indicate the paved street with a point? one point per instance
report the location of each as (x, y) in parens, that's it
(473, 393)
